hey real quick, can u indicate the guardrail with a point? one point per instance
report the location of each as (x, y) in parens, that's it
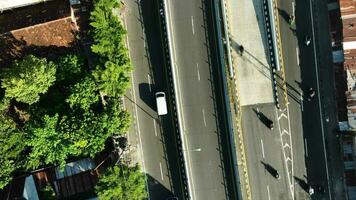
(273, 19)
(220, 13)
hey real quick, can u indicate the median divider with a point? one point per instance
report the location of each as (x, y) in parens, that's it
(278, 52)
(231, 101)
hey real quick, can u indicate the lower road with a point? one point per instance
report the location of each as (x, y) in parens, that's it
(264, 153)
(295, 90)
(151, 136)
(310, 66)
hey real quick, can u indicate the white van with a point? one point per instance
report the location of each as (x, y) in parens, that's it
(161, 103)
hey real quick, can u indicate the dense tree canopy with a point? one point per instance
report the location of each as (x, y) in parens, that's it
(122, 183)
(11, 146)
(113, 80)
(57, 138)
(51, 111)
(83, 94)
(70, 67)
(113, 71)
(26, 79)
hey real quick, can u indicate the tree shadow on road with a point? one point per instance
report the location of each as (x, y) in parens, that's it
(157, 190)
(146, 92)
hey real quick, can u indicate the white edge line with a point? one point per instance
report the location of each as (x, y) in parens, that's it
(291, 149)
(198, 72)
(204, 117)
(306, 146)
(193, 25)
(149, 82)
(139, 137)
(297, 52)
(269, 197)
(283, 151)
(160, 167)
(170, 43)
(301, 103)
(263, 151)
(136, 112)
(154, 126)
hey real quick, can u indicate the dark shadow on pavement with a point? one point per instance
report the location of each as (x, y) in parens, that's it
(264, 119)
(258, 6)
(284, 15)
(147, 94)
(302, 183)
(269, 169)
(161, 192)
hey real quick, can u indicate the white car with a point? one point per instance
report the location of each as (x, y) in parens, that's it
(161, 103)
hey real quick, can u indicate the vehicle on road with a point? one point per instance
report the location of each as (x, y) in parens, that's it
(311, 190)
(311, 92)
(270, 124)
(307, 40)
(276, 175)
(320, 188)
(161, 103)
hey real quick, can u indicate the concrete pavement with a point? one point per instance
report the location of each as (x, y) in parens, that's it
(253, 73)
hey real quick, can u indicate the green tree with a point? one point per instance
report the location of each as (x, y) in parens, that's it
(26, 79)
(108, 32)
(12, 144)
(114, 67)
(121, 183)
(48, 145)
(6, 168)
(119, 119)
(83, 94)
(113, 80)
(56, 138)
(70, 67)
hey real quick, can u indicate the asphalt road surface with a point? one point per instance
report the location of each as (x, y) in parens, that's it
(152, 135)
(295, 95)
(264, 153)
(306, 66)
(196, 96)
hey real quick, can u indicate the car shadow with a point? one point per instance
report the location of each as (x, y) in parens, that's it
(264, 119)
(269, 169)
(302, 183)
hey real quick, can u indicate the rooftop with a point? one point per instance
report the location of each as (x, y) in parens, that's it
(11, 4)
